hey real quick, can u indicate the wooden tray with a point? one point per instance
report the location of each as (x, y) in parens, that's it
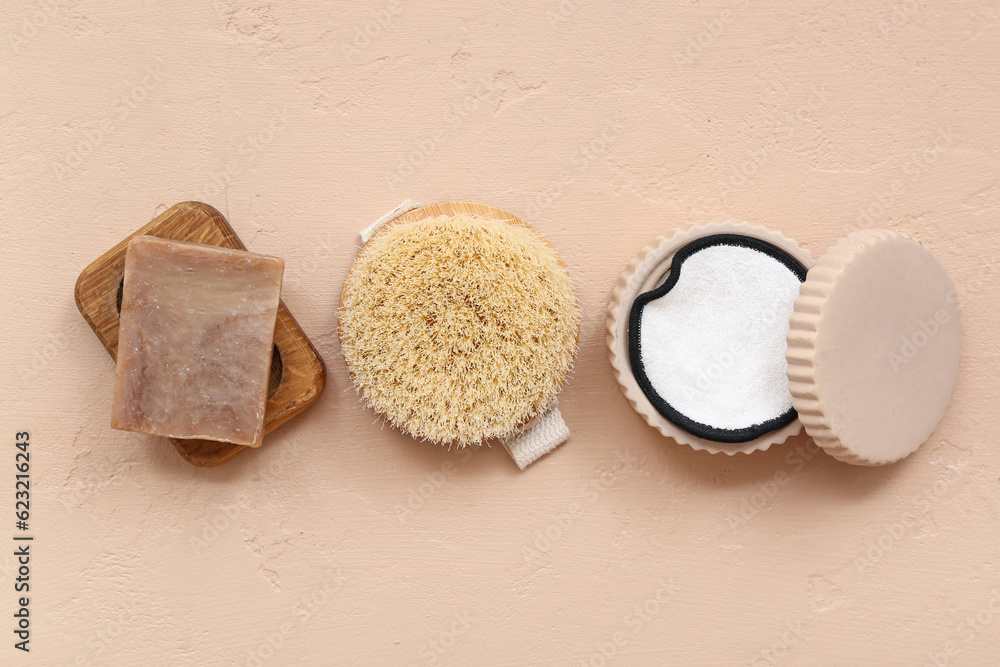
(297, 371)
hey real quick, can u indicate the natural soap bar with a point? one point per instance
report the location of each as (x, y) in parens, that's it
(195, 340)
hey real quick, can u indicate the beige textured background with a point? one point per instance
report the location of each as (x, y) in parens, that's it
(605, 126)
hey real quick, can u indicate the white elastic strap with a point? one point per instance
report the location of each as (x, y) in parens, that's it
(405, 207)
(548, 432)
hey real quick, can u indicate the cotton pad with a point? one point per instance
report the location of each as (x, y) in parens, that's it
(707, 346)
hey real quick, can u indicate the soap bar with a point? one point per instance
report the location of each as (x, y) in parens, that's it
(195, 340)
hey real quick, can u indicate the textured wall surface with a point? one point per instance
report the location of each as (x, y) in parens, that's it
(342, 542)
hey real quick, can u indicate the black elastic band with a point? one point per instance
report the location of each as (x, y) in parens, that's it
(726, 435)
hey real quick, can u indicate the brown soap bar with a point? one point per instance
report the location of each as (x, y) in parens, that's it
(195, 340)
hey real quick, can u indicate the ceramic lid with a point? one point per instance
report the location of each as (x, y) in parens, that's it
(873, 347)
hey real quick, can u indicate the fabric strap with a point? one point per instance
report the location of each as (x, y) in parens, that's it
(405, 207)
(541, 436)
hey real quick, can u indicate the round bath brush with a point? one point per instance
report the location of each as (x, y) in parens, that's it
(459, 324)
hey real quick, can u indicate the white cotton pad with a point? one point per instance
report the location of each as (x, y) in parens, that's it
(708, 345)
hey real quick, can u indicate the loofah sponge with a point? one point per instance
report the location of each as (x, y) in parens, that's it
(458, 328)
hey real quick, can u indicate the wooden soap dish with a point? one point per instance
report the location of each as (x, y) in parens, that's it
(297, 371)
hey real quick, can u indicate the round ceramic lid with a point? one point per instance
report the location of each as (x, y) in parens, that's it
(873, 347)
